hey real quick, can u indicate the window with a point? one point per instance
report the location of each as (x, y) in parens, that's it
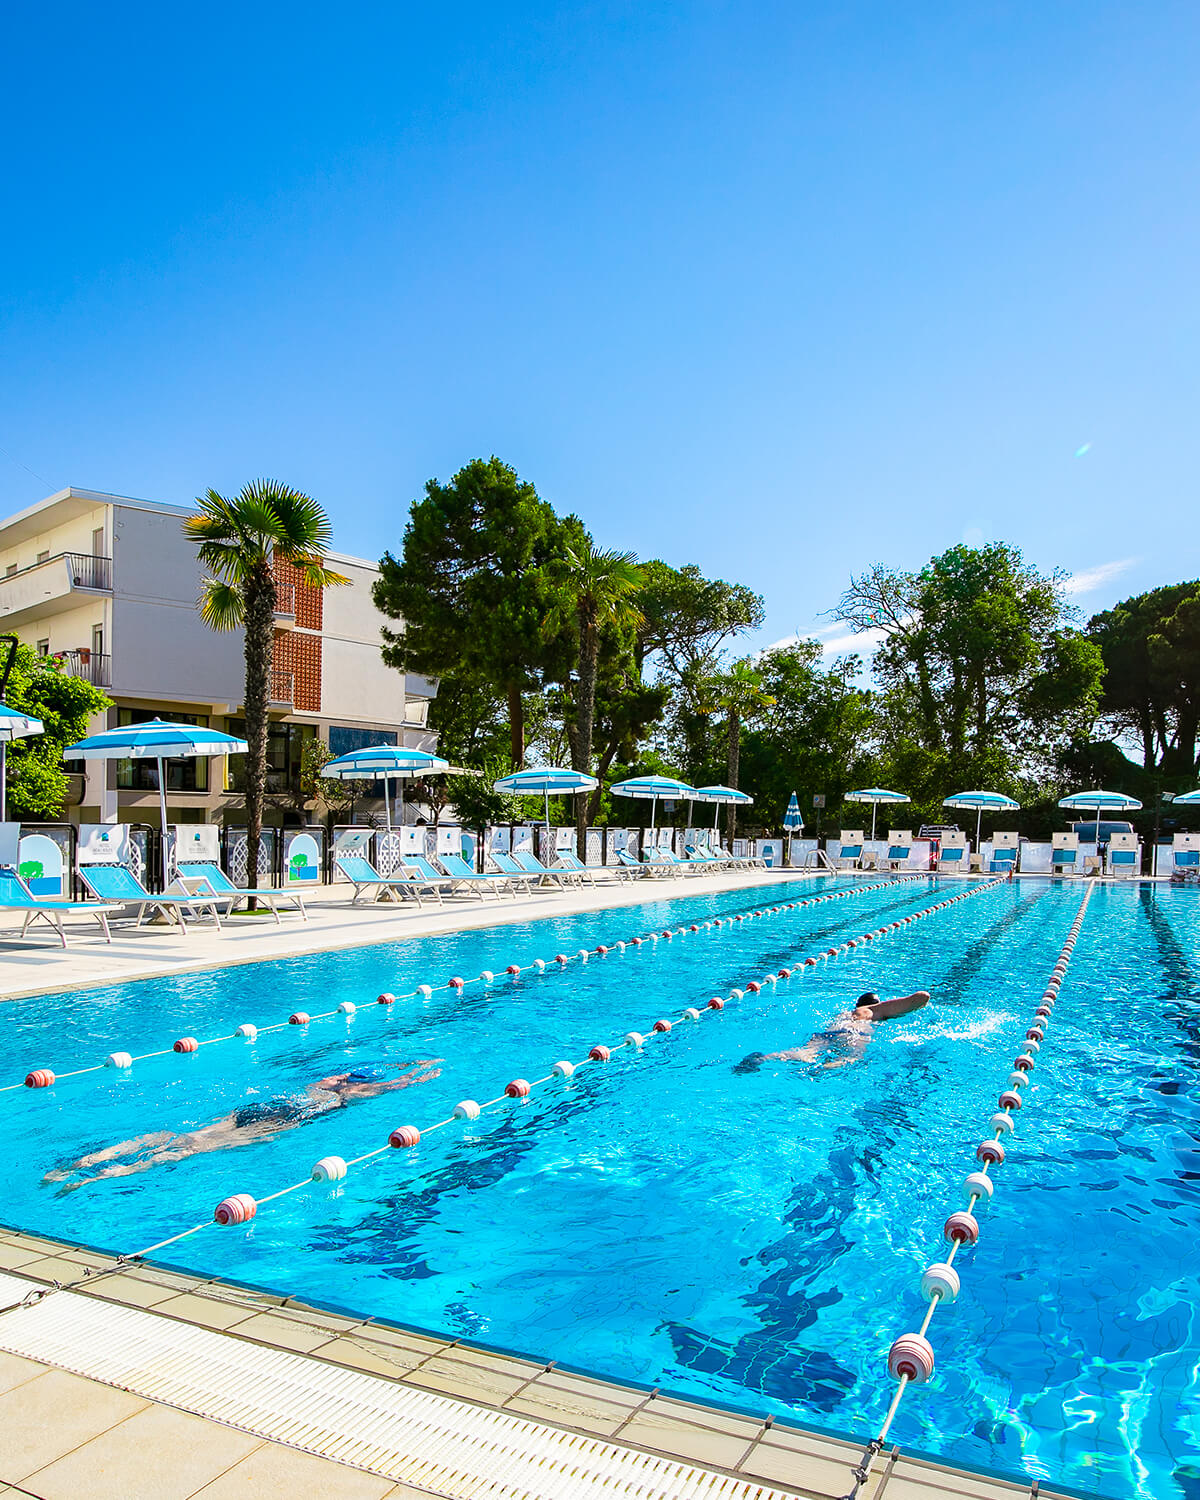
(98, 542)
(43, 647)
(285, 744)
(44, 556)
(189, 775)
(343, 739)
(97, 640)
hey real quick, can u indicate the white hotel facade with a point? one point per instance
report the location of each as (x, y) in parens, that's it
(109, 585)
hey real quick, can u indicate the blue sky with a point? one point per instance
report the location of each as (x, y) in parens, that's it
(780, 289)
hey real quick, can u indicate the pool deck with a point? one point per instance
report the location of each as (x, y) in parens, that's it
(36, 963)
(129, 1381)
(136, 1383)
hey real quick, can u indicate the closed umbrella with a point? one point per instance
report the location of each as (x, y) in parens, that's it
(721, 796)
(1099, 802)
(385, 763)
(159, 741)
(875, 795)
(13, 726)
(793, 822)
(982, 802)
(652, 788)
(546, 781)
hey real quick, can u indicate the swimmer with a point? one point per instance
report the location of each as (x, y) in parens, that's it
(847, 1035)
(259, 1121)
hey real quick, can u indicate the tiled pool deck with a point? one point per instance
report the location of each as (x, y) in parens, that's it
(109, 1413)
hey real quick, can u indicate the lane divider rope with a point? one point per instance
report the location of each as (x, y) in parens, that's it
(239, 1208)
(41, 1078)
(911, 1357)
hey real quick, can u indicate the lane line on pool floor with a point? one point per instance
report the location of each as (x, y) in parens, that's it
(911, 1357)
(46, 1078)
(240, 1208)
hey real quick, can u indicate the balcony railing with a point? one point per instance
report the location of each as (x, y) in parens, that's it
(282, 688)
(92, 666)
(88, 571)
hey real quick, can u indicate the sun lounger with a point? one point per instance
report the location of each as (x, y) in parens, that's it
(363, 875)
(705, 856)
(118, 883)
(627, 867)
(15, 895)
(575, 866)
(532, 865)
(1124, 856)
(219, 884)
(461, 873)
(512, 871)
(686, 866)
(953, 850)
(1064, 854)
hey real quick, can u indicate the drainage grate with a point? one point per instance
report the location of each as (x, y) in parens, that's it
(451, 1447)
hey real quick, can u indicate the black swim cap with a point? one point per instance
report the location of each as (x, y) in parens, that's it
(870, 998)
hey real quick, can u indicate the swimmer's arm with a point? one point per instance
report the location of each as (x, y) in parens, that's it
(886, 1010)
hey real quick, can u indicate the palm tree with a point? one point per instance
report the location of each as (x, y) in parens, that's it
(605, 586)
(239, 540)
(739, 693)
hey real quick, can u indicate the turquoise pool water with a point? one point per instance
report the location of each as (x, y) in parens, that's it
(753, 1238)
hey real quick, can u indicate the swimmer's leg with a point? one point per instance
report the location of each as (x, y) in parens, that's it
(750, 1064)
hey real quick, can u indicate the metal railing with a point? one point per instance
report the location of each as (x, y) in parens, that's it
(92, 666)
(88, 571)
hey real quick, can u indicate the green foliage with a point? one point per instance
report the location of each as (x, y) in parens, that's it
(983, 675)
(815, 739)
(37, 783)
(687, 619)
(338, 796)
(477, 802)
(480, 587)
(1151, 649)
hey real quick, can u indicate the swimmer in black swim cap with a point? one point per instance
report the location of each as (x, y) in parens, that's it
(846, 1036)
(257, 1121)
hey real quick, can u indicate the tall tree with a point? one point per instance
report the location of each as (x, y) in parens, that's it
(1151, 649)
(480, 587)
(38, 686)
(740, 694)
(980, 661)
(604, 585)
(238, 540)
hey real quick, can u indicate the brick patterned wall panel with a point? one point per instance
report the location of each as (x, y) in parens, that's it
(309, 600)
(301, 656)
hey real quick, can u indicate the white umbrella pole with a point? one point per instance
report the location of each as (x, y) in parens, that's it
(978, 821)
(162, 809)
(874, 815)
(3, 779)
(387, 806)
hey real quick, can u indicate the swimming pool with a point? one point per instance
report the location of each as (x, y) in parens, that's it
(754, 1237)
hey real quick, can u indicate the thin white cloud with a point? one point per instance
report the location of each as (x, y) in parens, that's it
(862, 642)
(1089, 579)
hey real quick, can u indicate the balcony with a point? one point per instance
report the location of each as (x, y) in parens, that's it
(53, 585)
(285, 605)
(282, 689)
(92, 666)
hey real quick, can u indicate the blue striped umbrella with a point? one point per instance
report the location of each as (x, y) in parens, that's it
(792, 821)
(13, 726)
(1189, 799)
(160, 741)
(546, 781)
(1099, 802)
(875, 795)
(382, 763)
(721, 795)
(982, 802)
(652, 788)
